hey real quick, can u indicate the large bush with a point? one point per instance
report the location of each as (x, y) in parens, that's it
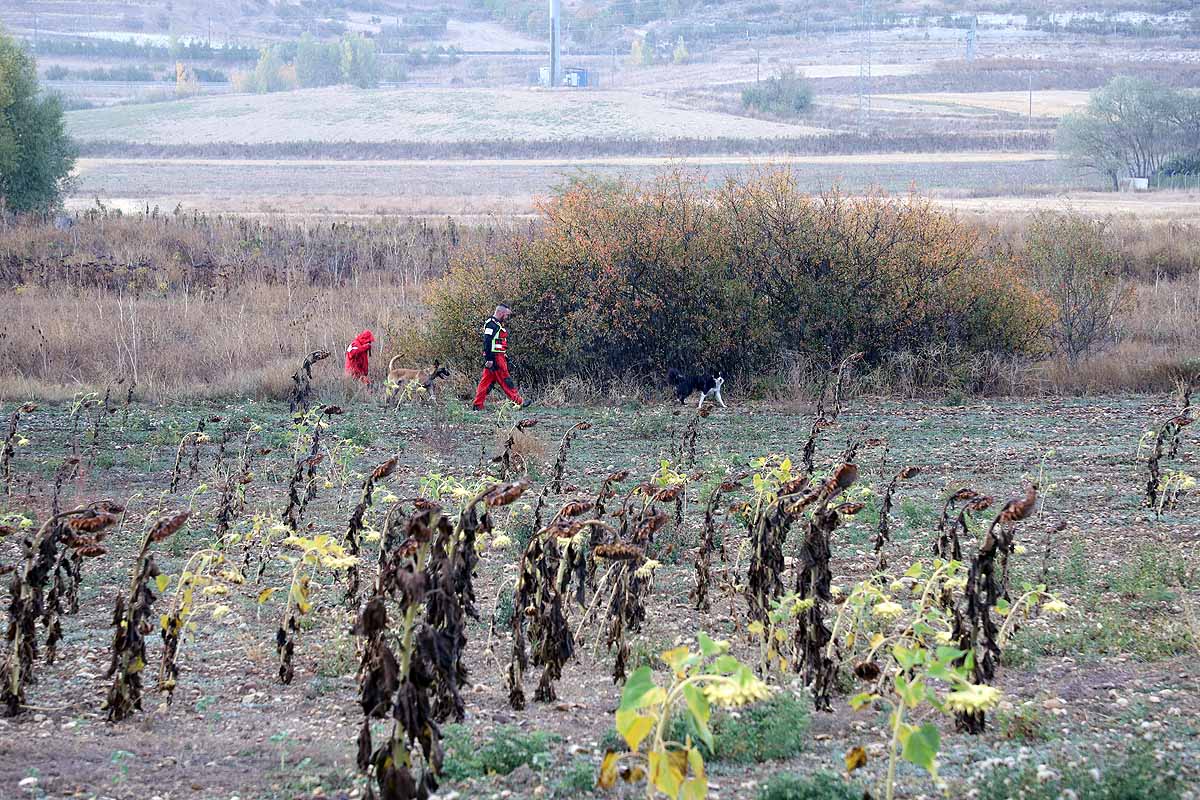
(623, 279)
(787, 94)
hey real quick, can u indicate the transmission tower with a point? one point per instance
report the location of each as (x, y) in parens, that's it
(864, 68)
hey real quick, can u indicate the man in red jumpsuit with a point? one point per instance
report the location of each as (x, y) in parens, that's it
(357, 354)
(495, 362)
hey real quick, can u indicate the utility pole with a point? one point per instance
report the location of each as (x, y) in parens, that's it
(1031, 98)
(555, 65)
(864, 69)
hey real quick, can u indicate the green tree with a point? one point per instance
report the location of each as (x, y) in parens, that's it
(637, 52)
(318, 63)
(681, 54)
(649, 47)
(1130, 127)
(36, 157)
(360, 66)
(269, 73)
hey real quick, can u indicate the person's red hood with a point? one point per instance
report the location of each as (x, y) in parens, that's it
(363, 339)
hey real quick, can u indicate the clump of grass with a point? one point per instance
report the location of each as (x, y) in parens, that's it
(577, 778)
(774, 729)
(818, 786)
(507, 748)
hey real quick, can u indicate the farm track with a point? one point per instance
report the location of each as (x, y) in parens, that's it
(233, 729)
(511, 188)
(84, 165)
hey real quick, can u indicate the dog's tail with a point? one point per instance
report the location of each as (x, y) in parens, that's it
(392, 363)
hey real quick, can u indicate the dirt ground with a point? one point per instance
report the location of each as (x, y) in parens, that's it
(1119, 668)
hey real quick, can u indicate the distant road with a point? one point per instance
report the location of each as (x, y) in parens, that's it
(129, 88)
(86, 164)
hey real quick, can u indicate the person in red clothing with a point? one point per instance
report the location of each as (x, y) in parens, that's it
(357, 354)
(495, 360)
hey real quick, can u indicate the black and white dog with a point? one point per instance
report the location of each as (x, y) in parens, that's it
(706, 385)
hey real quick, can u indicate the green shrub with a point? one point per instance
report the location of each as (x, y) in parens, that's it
(770, 730)
(818, 786)
(628, 279)
(1138, 777)
(787, 94)
(507, 748)
(766, 731)
(1023, 723)
(578, 778)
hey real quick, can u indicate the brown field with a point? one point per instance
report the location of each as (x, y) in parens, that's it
(428, 114)
(1045, 104)
(512, 186)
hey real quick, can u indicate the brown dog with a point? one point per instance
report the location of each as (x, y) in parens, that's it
(400, 377)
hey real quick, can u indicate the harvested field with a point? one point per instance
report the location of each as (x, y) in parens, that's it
(1045, 103)
(1112, 672)
(433, 114)
(509, 187)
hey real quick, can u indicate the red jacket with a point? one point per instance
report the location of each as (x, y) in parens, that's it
(356, 355)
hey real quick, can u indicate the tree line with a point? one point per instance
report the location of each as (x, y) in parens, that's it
(311, 63)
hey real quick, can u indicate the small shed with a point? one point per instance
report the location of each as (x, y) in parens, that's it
(576, 77)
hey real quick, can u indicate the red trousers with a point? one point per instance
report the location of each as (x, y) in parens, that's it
(497, 376)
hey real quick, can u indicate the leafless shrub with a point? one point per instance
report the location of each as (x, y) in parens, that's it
(517, 447)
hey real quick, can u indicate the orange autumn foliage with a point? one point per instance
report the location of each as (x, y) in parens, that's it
(627, 278)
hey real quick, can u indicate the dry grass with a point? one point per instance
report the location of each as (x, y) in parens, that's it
(196, 346)
(182, 331)
(191, 344)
